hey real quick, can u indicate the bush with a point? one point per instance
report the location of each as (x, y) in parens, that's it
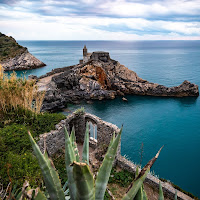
(15, 146)
(14, 138)
(123, 177)
(45, 122)
(20, 167)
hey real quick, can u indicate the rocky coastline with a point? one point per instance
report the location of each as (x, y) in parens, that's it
(23, 61)
(102, 78)
(16, 57)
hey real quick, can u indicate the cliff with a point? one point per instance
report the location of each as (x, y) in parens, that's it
(16, 57)
(104, 78)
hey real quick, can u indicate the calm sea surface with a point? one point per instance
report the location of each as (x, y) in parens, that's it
(153, 121)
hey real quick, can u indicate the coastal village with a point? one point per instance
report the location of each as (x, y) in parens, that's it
(96, 77)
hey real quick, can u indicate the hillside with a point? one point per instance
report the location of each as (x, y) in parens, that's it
(9, 48)
(16, 57)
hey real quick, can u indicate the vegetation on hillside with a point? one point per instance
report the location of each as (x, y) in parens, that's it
(20, 104)
(19, 93)
(9, 48)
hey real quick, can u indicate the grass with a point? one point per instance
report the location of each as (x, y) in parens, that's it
(19, 92)
(9, 48)
(17, 161)
(20, 106)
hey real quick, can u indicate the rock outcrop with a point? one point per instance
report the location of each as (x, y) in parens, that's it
(16, 57)
(105, 78)
(22, 62)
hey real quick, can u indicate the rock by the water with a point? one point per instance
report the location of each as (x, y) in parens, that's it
(22, 62)
(105, 78)
(124, 99)
(16, 57)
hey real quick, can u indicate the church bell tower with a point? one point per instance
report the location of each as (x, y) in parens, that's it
(84, 51)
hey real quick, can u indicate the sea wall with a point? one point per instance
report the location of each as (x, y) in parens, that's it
(55, 140)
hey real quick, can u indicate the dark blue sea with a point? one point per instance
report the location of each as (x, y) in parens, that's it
(151, 121)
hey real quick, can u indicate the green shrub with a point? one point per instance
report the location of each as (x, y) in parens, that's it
(123, 177)
(37, 123)
(15, 146)
(45, 122)
(14, 138)
(59, 162)
(21, 167)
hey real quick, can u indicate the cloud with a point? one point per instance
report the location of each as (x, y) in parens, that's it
(155, 9)
(92, 19)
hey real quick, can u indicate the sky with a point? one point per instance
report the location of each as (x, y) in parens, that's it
(100, 19)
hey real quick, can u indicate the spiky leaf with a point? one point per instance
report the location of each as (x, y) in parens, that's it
(137, 184)
(69, 159)
(74, 145)
(144, 194)
(84, 181)
(105, 169)
(139, 195)
(50, 175)
(85, 154)
(161, 196)
(175, 197)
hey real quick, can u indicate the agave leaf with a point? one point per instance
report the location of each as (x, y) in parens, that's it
(85, 154)
(144, 194)
(139, 195)
(69, 151)
(137, 172)
(69, 159)
(66, 192)
(84, 181)
(72, 136)
(137, 184)
(74, 145)
(161, 197)
(65, 185)
(18, 196)
(175, 197)
(105, 169)
(112, 139)
(50, 175)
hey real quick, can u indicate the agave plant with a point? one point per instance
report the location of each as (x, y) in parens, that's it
(81, 182)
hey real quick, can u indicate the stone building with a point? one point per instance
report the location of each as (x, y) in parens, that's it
(97, 55)
(86, 56)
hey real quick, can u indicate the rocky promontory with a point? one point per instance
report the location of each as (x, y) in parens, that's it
(102, 78)
(16, 57)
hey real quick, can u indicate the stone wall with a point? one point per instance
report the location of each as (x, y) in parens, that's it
(152, 181)
(55, 140)
(100, 55)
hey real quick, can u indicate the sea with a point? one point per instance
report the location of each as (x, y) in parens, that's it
(148, 122)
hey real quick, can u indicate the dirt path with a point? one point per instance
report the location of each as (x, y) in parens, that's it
(43, 82)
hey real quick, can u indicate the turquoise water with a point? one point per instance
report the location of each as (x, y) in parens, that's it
(153, 121)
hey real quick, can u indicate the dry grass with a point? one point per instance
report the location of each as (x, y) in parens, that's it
(19, 92)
